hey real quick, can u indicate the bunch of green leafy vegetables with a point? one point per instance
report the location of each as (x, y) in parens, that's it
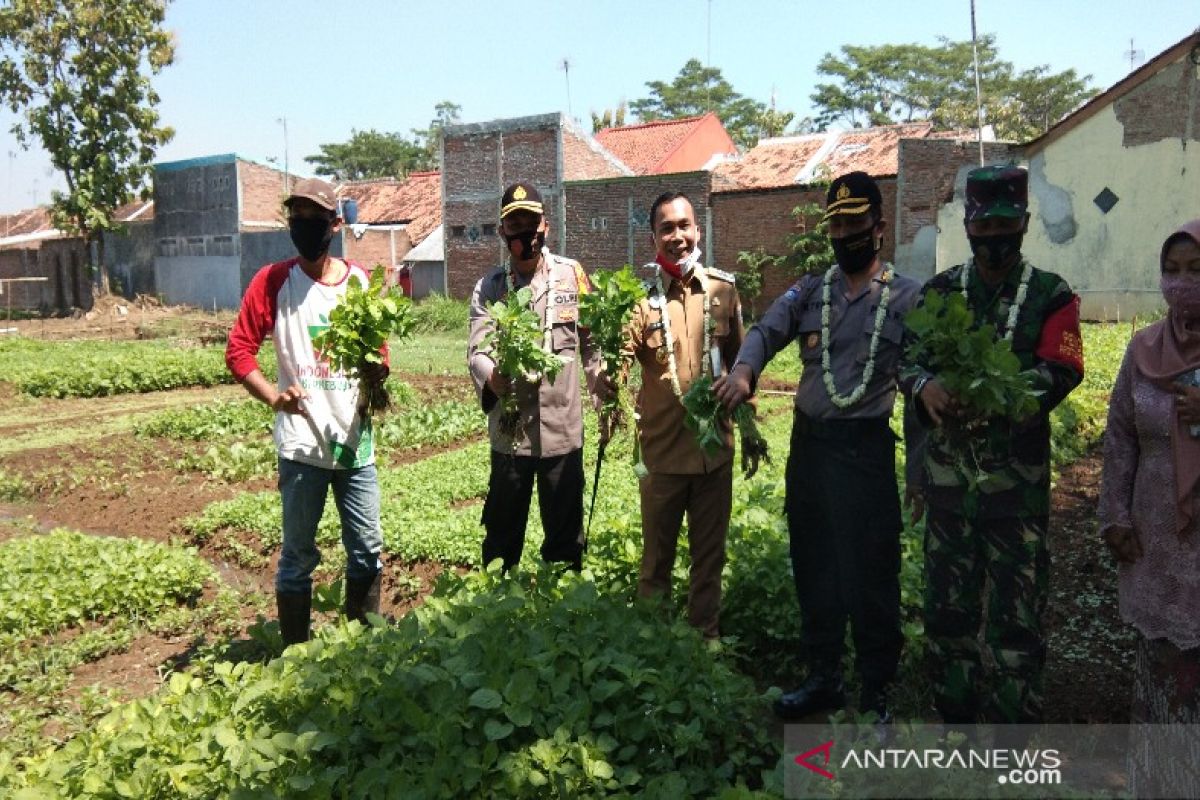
(979, 370)
(605, 312)
(515, 342)
(705, 417)
(359, 326)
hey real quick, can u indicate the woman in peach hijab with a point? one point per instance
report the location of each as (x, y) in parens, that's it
(1150, 511)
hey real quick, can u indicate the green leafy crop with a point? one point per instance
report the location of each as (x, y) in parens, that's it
(605, 311)
(515, 342)
(704, 416)
(979, 370)
(359, 326)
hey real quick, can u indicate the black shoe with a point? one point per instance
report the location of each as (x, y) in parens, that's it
(823, 691)
(294, 608)
(362, 597)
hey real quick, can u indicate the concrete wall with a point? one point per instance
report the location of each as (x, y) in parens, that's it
(131, 259)
(260, 248)
(428, 277)
(1145, 150)
(608, 220)
(933, 174)
(209, 282)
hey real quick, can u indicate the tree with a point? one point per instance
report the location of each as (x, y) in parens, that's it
(696, 90)
(887, 84)
(372, 154)
(75, 73)
(445, 114)
(368, 154)
(610, 117)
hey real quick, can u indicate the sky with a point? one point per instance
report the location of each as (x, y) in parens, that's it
(245, 68)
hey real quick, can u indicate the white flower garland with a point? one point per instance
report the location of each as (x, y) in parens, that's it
(845, 401)
(1015, 309)
(669, 339)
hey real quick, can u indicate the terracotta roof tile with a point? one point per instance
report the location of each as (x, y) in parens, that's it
(772, 162)
(792, 160)
(415, 201)
(586, 159)
(645, 147)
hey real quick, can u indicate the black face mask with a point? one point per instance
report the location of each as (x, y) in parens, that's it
(311, 235)
(855, 252)
(529, 241)
(994, 251)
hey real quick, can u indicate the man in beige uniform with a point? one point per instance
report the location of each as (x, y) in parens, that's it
(549, 437)
(665, 335)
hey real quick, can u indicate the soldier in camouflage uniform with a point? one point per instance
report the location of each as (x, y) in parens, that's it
(993, 534)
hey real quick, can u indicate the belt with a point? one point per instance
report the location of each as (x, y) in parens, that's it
(840, 430)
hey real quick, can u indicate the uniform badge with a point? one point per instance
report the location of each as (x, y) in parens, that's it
(520, 193)
(813, 340)
(660, 355)
(567, 314)
(716, 301)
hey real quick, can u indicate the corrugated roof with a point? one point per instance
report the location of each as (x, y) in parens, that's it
(793, 160)
(415, 201)
(645, 147)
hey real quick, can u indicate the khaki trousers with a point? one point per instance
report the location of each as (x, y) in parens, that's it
(707, 499)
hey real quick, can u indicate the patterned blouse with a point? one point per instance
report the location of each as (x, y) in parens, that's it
(1160, 592)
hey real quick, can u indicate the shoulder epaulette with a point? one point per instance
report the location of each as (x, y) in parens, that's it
(721, 274)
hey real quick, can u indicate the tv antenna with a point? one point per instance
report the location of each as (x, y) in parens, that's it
(565, 66)
(1135, 56)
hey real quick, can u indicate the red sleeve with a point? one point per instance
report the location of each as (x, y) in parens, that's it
(1061, 340)
(256, 318)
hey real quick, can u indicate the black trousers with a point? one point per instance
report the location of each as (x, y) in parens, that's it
(843, 512)
(560, 500)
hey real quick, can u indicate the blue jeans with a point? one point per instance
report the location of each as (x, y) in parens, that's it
(303, 488)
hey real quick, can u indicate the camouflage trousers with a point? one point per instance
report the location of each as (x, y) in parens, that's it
(1004, 560)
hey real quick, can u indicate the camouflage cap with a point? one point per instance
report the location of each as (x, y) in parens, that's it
(997, 192)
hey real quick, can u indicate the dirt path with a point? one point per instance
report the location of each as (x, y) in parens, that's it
(1089, 663)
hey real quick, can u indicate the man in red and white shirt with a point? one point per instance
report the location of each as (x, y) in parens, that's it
(320, 437)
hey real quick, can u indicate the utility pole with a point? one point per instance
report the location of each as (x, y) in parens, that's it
(12, 156)
(708, 60)
(978, 89)
(286, 176)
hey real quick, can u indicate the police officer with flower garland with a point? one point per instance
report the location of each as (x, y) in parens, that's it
(688, 328)
(987, 524)
(842, 502)
(548, 443)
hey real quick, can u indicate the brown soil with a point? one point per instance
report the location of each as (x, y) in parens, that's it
(1089, 664)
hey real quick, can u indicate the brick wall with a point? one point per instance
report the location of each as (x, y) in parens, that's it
(602, 231)
(62, 261)
(376, 247)
(262, 192)
(1157, 110)
(928, 168)
(763, 218)
(479, 161)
